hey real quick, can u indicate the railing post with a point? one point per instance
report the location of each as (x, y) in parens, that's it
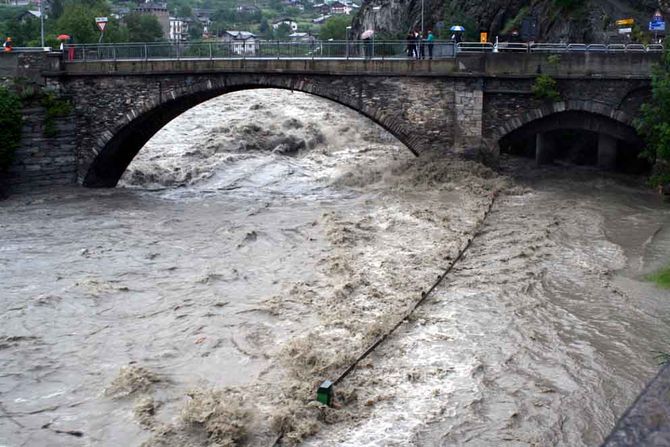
(114, 52)
(146, 52)
(210, 51)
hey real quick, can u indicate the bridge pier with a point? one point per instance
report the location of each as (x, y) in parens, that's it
(544, 148)
(607, 151)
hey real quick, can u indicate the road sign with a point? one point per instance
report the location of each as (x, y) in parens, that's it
(101, 22)
(625, 30)
(658, 17)
(483, 37)
(656, 26)
(625, 22)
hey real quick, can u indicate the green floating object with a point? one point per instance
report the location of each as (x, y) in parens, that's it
(325, 393)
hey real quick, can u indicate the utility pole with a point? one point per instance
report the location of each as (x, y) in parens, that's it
(375, 10)
(42, 22)
(422, 34)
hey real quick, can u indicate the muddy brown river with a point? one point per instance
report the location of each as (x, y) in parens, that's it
(263, 239)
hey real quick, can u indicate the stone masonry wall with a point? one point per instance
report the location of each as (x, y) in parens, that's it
(40, 160)
(424, 113)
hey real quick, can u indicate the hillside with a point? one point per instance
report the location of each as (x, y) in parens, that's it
(551, 20)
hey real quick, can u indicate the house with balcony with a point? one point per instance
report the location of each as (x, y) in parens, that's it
(178, 29)
(242, 43)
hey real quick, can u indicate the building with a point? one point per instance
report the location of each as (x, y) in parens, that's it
(28, 16)
(302, 37)
(18, 2)
(178, 29)
(160, 11)
(119, 12)
(340, 8)
(248, 9)
(203, 17)
(321, 20)
(286, 21)
(241, 42)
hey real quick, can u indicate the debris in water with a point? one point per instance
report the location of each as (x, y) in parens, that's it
(131, 380)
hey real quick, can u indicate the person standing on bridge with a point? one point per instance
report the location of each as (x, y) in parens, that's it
(409, 40)
(7, 46)
(429, 43)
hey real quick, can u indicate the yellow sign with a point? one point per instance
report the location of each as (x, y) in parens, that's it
(483, 37)
(625, 22)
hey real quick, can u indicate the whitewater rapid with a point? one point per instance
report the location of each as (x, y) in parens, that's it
(263, 239)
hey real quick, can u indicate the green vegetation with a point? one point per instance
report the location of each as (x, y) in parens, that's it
(453, 15)
(663, 358)
(143, 28)
(10, 123)
(654, 123)
(335, 28)
(661, 277)
(515, 23)
(76, 18)
(545, 87)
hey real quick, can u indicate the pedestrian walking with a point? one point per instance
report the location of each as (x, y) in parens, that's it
(7, 46)
(429, 43)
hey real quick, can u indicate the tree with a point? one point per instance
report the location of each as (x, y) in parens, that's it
(654, 123)
(195, 30)
(265, 30)
(335, 28)
(78, 21)
(184, 11)
(143, 28)
(283, 31)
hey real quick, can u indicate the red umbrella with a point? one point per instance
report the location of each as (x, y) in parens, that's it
(62, 37)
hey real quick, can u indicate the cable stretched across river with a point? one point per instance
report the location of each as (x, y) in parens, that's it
(424, 295)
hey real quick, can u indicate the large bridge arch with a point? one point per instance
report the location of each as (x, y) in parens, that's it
(612, 130)
(118, 144)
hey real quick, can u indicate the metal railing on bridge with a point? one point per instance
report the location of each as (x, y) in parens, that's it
(358, 49)
(514, 47)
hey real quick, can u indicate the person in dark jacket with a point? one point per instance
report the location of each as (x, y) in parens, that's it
(410, 44)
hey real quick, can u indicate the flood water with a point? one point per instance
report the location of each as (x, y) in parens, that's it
(263, 239)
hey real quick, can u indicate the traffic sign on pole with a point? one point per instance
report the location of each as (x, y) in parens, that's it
(101, 22)
(656, 26)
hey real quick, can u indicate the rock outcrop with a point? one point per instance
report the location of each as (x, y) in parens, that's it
(541, 20)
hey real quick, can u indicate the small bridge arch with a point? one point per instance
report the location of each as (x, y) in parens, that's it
(611, 133)
(116, 147)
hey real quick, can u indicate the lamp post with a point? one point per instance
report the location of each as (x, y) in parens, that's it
(346, 37)
(42, 22)
(422, 34)
(374, 27)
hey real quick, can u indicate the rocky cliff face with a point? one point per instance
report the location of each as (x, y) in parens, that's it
(540, 20)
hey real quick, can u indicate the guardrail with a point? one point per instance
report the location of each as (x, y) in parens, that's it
(31, 50)
(514, 47)
(353, 49)
(357, 49)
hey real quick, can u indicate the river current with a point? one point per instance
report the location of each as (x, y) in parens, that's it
(264, 239)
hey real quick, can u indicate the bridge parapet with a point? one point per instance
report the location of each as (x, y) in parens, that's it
(484, 65)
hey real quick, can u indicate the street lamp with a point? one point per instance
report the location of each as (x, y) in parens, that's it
(422, 34)
(374, 27)
(42, 23)
(347, 40)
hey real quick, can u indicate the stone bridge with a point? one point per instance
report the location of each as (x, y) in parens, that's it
(474, 102)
